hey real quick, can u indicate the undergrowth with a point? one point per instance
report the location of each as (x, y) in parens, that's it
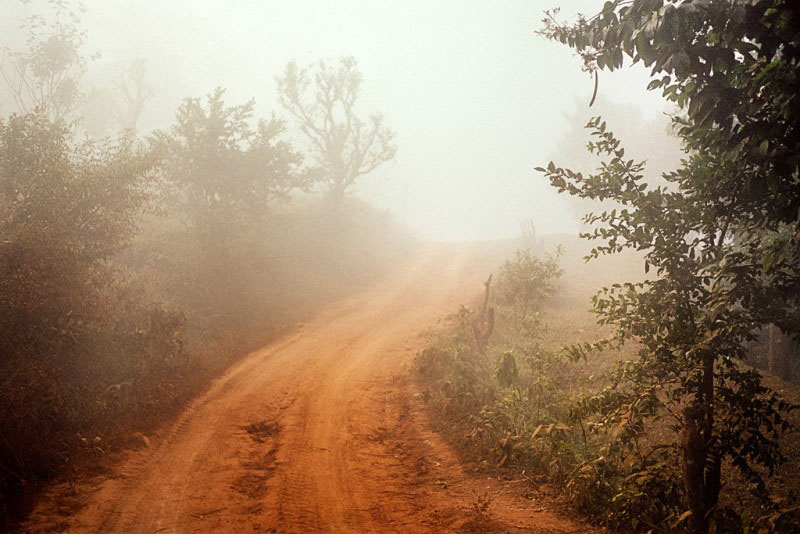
(64, 415)
(518, 404)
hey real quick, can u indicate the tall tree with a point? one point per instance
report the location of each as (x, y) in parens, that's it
(344, 146)
(723, 239)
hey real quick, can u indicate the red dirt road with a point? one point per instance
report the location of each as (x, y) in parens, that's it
(321, 431)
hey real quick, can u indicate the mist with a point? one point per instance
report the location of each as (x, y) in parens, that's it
(359, 266)
(477, 99)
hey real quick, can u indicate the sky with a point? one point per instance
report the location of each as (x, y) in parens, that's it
(477, 99)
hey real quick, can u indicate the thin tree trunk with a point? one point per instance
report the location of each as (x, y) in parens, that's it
(701, 464)
(779, 353)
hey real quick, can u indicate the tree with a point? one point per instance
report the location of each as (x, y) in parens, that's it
(644, 138)
(344, 146)
(226, 174)
(134, 91)
(779, 353)
(66, 211)
(223, 176)
(693, 323)
(46, 75)
(108, 110)
(722, 237)
(731, 67)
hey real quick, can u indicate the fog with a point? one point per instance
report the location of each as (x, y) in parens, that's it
(476, 97)
(290, 265)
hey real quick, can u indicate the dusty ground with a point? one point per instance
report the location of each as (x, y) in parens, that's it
(321, 431)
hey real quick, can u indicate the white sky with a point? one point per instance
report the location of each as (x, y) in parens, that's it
(476, 97)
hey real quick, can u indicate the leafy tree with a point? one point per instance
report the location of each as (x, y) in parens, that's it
(693, 323)
(644, 138)
(223, 175)
(46, 75)
(344, 146)
(732, 66)
(722, 236)
(66, 211)
(224, 172)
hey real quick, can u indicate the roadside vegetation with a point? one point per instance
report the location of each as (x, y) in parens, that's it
(520, 405)
(137, 267)
(682, 433)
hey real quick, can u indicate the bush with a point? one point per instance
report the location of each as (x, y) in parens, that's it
(67, 210)
(604, 441)
(500, 395)
(122, 303)
(516, 406)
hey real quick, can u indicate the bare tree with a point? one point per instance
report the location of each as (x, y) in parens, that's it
(135, 92)
(323, 102)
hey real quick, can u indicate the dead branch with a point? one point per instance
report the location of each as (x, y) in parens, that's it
(483, 324)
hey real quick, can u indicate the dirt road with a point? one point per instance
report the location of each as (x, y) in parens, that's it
(321, 431)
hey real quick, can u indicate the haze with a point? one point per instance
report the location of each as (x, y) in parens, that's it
(476, 98)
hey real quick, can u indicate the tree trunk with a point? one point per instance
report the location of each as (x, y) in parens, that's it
(693, 468)
(701, 464)
(779, 353)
